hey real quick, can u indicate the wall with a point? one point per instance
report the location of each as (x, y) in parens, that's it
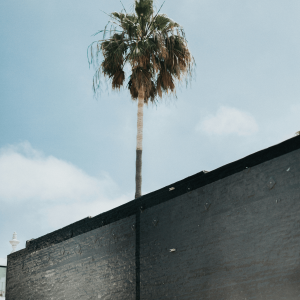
(83, 267)
(238, 238)
(235, 231)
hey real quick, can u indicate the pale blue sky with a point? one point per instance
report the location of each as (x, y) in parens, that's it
(65, 155)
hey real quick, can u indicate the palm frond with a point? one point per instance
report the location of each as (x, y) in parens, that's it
(144, 8)
(123, 7)
(152, 44)
(154, 18)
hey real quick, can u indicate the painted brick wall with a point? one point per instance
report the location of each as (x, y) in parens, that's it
(99, 264)
(237, 238)
(236, 231)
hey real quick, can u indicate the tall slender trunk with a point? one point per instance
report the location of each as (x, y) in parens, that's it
(139, 145)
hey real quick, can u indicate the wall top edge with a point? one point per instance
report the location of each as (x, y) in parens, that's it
(159, 196)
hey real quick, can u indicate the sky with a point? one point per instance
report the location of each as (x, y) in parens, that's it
(66, 155)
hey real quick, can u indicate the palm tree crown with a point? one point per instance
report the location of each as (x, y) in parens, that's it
(156, 50)
(152, 44)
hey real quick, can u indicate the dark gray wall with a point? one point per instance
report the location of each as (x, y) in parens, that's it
(99, 264)
(237, 238)
(236, 232)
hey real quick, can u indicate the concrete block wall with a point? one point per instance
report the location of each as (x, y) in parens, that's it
(235, 231)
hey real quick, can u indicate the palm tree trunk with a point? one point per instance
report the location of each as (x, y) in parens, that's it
(139, 145)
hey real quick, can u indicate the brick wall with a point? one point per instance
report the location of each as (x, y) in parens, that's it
(99, 264)
(237, 238)
(235, 231)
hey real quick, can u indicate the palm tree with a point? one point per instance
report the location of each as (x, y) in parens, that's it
(155, 49)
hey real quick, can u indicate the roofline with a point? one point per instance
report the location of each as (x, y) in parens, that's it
(159, 196)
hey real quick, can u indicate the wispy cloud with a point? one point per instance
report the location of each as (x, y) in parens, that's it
(27, 174)
(228, 120)
(66, 192)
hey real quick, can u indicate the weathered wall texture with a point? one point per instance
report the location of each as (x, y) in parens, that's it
(236, 231)
(238, 238)
(99, 264)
